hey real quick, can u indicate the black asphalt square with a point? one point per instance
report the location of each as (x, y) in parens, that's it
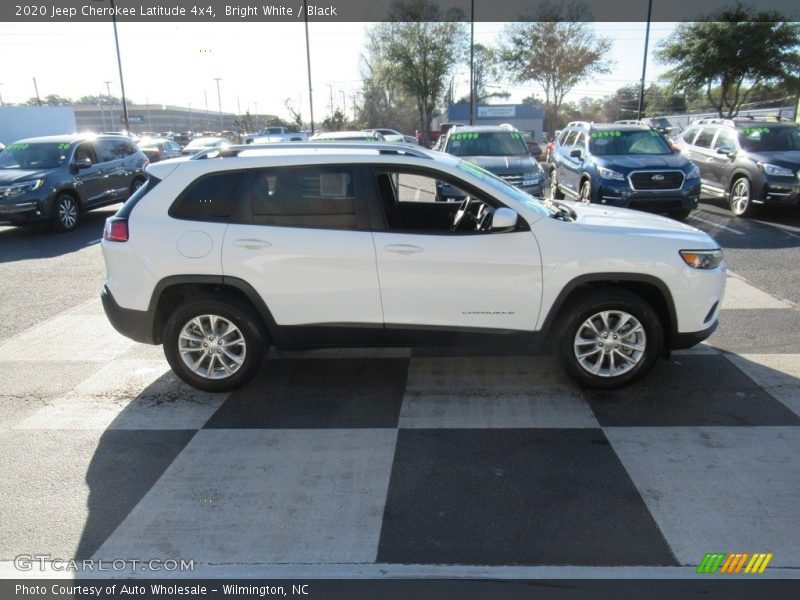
(310, 393)
(690, 390)
(515, 497)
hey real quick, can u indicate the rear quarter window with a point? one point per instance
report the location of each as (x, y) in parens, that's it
(210, 198)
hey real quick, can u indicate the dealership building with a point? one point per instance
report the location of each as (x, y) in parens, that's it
(524, 117)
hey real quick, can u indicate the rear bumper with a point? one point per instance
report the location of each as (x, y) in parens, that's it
(137, 325)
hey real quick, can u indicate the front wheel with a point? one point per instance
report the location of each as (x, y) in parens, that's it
(66, 213)
(609, 339)
(214, 344)
(741, 199)
(555, 193)
(586, 192)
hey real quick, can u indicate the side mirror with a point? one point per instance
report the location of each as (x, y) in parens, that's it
(83, 163)
(576, 154)
(504, 219)
(725, 150)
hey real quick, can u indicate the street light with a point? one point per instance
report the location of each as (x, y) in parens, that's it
(219, 101)
(111, 104)
(119, 65)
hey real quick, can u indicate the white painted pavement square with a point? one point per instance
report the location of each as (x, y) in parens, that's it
(128, 394)
(718, 489)
(67, 338)
(271, 496)
(740, 294)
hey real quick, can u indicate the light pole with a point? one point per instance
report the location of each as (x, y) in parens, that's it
(111, 103)
(1, 94)
(119, 65)
(308, 62)
(219, 102)
(471, 64)
(644, 60)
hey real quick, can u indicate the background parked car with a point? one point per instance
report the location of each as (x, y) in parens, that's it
(54, 178)
(203, 143)
(156, 149)
(347, 136)
(534, 147)
(746, 162)
(629, 166)
(497, 149)
(390, 135)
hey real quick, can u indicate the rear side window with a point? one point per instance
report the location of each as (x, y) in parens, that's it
(210, 198)
(706, 136)
(688, 135)
(315, 197)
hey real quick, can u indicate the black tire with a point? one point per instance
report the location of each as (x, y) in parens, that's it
(228, 310)
(740, 198)
(66, 213)
(586, 192)
(605, 349)
(137, 183)
(555, 193)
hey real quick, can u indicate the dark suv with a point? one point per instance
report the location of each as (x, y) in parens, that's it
(629, 166)
(498, 149)
(52, 179)
(746, 162)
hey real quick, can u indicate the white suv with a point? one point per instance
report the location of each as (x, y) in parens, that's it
(329, 245)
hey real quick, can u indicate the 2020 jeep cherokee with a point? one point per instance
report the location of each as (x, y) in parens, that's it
(220, 256)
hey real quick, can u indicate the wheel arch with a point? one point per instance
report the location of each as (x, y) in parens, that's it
(651, 289)
(171, 292)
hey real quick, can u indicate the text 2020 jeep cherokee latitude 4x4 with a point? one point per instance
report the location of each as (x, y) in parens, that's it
(220, 256)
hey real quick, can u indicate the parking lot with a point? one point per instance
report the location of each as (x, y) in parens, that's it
(402, 462)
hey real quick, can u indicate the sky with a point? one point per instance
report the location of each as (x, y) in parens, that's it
(260, 64)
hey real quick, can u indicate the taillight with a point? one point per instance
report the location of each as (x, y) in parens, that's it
(116, 229)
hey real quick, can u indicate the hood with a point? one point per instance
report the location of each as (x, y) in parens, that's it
(8, 176)
(502, 165)
(785, 158)
(634, 222)
(651, 161)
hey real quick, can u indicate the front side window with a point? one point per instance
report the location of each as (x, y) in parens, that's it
(211, 198)
(725, 139)
(109, 150)
(315, 197)
(705, 137)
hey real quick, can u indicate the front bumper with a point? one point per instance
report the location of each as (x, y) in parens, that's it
(620, 194)
(23, 210)
(681, 341)
(781, 191)
(138, 325)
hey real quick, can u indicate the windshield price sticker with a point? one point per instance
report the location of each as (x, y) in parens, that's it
(606, 134)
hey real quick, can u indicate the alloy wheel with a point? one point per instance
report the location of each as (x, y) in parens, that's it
(610, 343)
(212, 347)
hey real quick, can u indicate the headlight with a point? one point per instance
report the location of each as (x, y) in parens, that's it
(702, 259)
(609, 174)
(693, 173)
(776, 170)
(20, 188)
(532, 178)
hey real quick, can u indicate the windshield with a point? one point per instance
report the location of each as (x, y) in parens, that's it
(497, 183)
(203, 143)
(769, 139)
(613, 142)
(34, 156)
(493, 143)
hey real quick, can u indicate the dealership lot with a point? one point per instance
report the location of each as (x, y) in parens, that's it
(402, 461)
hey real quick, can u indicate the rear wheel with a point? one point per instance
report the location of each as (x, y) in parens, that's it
(214, 344)
(66, 213)
(741, 198)
(609, 338)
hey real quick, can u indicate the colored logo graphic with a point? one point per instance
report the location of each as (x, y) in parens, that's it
(734, 563)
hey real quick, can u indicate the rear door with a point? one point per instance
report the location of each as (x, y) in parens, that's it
(301, 238)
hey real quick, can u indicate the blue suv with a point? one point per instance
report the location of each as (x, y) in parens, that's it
(629, 166)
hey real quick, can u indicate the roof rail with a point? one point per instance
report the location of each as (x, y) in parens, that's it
(381, 148)
(713, 120)
(579, 123)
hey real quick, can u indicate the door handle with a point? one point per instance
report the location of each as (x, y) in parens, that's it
(251, 244)
(403, 249)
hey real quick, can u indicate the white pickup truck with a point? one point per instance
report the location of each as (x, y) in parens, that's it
(270, 135)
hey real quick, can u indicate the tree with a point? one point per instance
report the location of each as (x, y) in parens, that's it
(50, 100)
(297, 117)
(335, 121)
(555, 49)
(418, 49)
(486, 70)
(731, 52)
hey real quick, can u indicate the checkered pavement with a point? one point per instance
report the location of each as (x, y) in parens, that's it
(363, 458)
